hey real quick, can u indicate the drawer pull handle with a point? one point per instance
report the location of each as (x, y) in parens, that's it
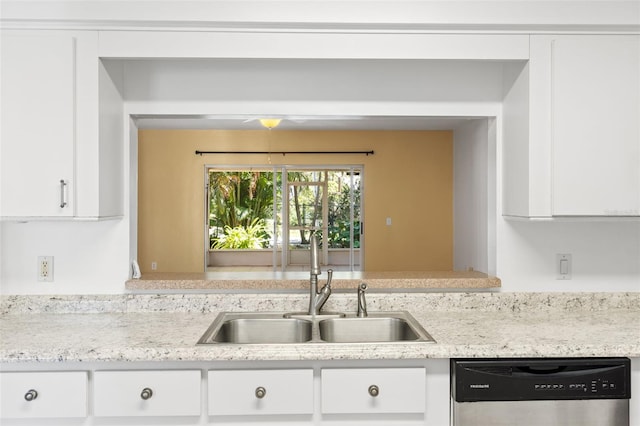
(31, 395)
(374, 390)
(260, 392)
(146, 393)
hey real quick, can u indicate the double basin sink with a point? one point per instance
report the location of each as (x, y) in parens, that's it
(278, 328)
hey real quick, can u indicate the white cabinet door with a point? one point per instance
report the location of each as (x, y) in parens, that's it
(373, 390)
(147, 393)
(61, 149)
(257, 392)
(595, 111)
(571, 128)
(46, 394)
(38, 124)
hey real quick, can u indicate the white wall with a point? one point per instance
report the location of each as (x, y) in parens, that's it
(470, 197)
(606, 255)
(301, 80)
(89, 257)
(313, 87)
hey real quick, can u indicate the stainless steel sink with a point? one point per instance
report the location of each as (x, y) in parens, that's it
(370, 329)
(277, 328)
(257, 328)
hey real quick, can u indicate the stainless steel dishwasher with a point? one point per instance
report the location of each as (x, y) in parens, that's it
(540, 392)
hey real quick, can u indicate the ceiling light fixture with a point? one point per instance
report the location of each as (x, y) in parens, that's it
(270, 123)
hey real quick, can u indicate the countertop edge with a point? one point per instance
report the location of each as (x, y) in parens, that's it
(260, 353)
(297, 281)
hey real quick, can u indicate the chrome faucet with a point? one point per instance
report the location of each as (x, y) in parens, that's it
(317, 298)
(362, 302)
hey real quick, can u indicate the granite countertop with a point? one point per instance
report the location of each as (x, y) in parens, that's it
(167, 327)
(268, 280)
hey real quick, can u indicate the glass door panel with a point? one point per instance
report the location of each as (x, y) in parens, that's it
(306, 214)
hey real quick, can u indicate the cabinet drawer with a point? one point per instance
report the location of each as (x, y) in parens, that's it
(373, 390)
(147, 393)
(251, 392)
(51, 394)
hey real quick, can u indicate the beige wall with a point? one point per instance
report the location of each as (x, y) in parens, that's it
(409, 179)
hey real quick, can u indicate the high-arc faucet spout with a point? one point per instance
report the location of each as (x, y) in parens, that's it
(317, 298)
(315, 259)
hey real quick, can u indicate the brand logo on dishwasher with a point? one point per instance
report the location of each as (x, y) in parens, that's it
(479, 386)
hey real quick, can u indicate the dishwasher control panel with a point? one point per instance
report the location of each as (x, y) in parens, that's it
(540, 379)
(594, 386)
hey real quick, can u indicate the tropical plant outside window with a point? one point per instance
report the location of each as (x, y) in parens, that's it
(240, 202)
(246, 209)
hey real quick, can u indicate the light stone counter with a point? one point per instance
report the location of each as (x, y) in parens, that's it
(160, 281)
(166, 327)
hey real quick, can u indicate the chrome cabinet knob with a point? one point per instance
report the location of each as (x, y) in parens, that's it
(260, 392)
(31, 395)
(374, 390)
(146, 393)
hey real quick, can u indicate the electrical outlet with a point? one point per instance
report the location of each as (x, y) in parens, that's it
(154, 266)
(45, 268)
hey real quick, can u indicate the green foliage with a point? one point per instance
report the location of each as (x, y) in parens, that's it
(339, 217)
(254, 236)
(339, 235)
(237, 199)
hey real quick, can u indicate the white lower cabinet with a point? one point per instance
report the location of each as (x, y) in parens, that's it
(296, 393)
(43, 394)
(373, 390)
(147, 393)
(256, 392)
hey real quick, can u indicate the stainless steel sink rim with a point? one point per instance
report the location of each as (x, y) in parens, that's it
(215, 334)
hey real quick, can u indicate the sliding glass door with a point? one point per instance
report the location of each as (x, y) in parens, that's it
(261, 217)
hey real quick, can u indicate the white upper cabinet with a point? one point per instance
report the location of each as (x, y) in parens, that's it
(595, 113)
(59, 158)
(571, 140)
(38, 125)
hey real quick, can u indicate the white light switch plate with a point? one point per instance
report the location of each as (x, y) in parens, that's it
(564, 266)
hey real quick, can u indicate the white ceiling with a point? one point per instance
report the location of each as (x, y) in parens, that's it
(316, 122)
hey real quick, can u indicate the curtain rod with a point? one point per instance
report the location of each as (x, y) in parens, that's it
(367, 153)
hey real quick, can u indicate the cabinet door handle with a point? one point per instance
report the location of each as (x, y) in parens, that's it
(146, 393)
(260, 392)
(63, 198)
(374, 390)
(31, 395)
